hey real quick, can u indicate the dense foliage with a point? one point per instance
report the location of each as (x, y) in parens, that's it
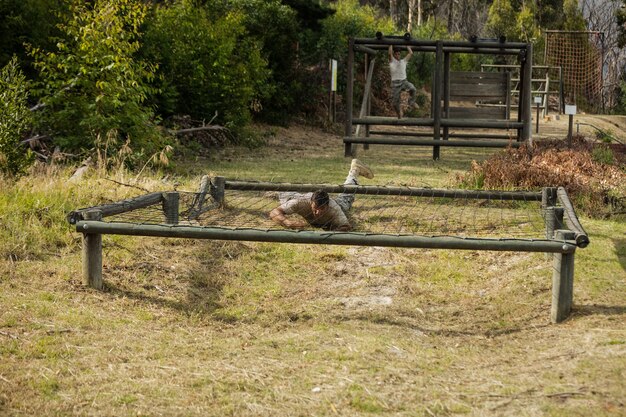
(92, 84)
(104, 75)
(206, 65)
(15, 119)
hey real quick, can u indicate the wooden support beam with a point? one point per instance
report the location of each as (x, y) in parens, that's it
(562, 280)
(433, 142)
(92, 253)
(348, 151)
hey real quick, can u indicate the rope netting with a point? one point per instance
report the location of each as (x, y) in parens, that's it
(381, 213)
(579, 54)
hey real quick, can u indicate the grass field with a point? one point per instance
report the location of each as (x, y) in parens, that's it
(210, 328)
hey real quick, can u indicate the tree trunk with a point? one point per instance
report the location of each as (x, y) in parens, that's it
(409, 25)
(419, 12)
(450, 15)
(393, 12)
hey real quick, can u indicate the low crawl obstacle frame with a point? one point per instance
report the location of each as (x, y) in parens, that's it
(562, 232)
(441, 119)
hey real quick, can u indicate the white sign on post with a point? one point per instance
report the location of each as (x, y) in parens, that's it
(570, 109)
(333, 71)
(537, 99)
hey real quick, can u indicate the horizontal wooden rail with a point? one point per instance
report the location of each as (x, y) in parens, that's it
(433, 142)
(119, 207)
(582, 239)
(517, 46)
(477, 123)
(326, 238)
(450, 134)
(384, 190)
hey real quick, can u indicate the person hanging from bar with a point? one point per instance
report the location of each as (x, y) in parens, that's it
(399, 83)
(318, 209)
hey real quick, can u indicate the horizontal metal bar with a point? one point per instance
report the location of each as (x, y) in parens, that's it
(433, 142)
(326, 238)
(582, 239)
(119, 207)
(378, 190)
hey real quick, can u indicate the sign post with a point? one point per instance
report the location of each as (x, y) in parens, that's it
(538, 103)
(570, 110)
(332, 107)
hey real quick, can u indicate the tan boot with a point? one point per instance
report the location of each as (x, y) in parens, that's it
(361, 169)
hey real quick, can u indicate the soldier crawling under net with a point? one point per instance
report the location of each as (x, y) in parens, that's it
(318, 209)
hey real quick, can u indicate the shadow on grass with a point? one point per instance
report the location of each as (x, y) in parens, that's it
(600, 310)
(200, 298)
(447, 332)
(203, 283)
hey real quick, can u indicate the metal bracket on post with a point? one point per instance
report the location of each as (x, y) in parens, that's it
(92, 253)
(562, 280)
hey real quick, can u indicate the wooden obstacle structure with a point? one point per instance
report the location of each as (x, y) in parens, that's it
(209, 214)
(447, 87)
(546, 82)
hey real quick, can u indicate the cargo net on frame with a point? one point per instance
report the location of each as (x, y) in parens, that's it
(579, 54)
(379, 211)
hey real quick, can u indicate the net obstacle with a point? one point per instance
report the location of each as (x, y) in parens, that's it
(446, 87)
(390, 216)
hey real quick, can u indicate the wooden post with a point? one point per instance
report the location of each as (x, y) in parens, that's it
(548, 197)
(446, 92)
(570, 128)
(550, 221)
(92, 254)
(348, 149)
(437, 98)
(170, 207)
(366, 95)
(562, 280)
(554, 221)
(525, 97)
(217, 189)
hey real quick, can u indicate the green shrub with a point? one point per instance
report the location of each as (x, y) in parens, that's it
(350, 20)
(93, 83)
(603, 155)
(206, 65)
(15, 119)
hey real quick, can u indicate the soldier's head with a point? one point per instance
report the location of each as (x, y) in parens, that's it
(319, 202)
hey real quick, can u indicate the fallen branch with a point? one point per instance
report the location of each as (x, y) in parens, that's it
(197, 129)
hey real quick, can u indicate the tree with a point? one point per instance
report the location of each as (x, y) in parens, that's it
(207, 64)
(620, 17)
(526, 28)
(92, 84)
(501, 19)
(27, 21)
(15, 120)
(574, 19)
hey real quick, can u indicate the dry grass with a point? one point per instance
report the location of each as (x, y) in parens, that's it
(198, 328)
(593, 174)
